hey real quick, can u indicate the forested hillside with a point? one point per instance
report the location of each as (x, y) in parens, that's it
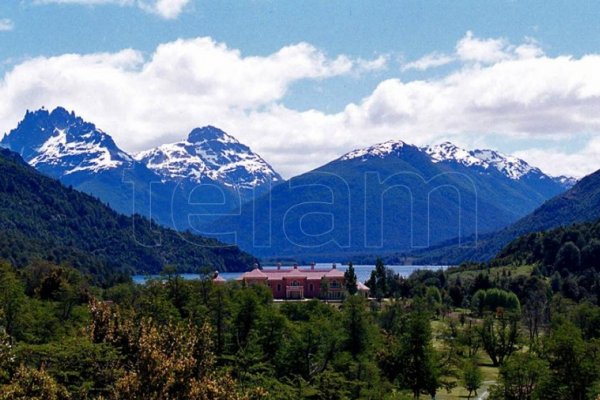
(544, 247)
(40, 218)
(579, 204)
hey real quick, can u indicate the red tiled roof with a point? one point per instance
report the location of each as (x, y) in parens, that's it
(362, 287)
(272, 274)
(334, 273)
(295, 273)
(255, 274)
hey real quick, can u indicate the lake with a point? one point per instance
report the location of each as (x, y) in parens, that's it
(363, 272)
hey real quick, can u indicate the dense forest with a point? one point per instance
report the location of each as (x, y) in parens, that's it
(42, 219)
(506, 330)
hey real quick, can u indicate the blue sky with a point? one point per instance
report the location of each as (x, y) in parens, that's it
(381, 42)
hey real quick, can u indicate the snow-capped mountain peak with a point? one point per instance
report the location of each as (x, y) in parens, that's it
(510, 166)
(380, 150)
(61, 143)
(209, 154)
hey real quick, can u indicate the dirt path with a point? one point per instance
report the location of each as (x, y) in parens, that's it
(486, 385)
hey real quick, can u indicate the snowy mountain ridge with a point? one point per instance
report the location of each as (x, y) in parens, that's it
(484, 159)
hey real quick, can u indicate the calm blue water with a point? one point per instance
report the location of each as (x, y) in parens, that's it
(363, 272)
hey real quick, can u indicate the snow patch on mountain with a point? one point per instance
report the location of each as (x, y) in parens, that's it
(447, 151)
(77, 155)
(380, 150)
(510, 166)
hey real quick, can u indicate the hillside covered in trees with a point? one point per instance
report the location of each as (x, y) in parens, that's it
(579, 204)
(41, 219)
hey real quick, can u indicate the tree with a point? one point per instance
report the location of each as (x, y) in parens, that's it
(590, 255)
(245, 316)
(378, 280)
(470, 339)
(499, 337)
(494, 299)
(456, 294)
(433, 298)
(173, 361)
(350, 279)
(33, 384)
(7, 356)
(536, 305)
(356, 324)
(478, 302)
(12, 298)
(176, 288)
(409, 357)
(568, 258)
(471, 377)
(573, 362)
(522, 378)
(220, 311)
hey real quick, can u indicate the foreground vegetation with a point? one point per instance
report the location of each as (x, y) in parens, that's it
(444, 333)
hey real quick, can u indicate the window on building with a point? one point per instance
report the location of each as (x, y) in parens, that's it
(279, 287)
(311, 287)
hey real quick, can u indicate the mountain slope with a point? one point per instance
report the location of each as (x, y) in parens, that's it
(579, 204)
(40, 218)
(388, 197)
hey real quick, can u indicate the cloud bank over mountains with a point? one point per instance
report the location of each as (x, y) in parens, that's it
(489, 88)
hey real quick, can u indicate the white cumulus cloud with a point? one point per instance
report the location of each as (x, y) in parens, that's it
(558, 162)
(428, 61)
(169, 9)
(471, 48)
(513, 91)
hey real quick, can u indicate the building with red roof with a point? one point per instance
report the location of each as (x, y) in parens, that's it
(299, 283)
